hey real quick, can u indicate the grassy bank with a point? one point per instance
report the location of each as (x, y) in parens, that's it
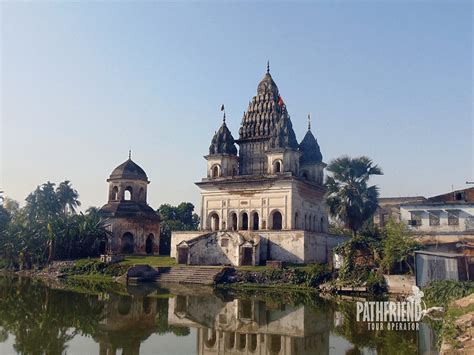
(445, 294)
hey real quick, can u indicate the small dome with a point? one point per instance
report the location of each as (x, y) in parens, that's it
(310, 148)
(128, 170)
(223, 142)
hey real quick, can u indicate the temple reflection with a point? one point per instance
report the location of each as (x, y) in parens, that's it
(248, 326)
(127, 322)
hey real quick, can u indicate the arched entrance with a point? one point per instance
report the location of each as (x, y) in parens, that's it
(149, 244)
(277, 220)
(127, 243)
(103, 246)
(245, 221)
(233, 221)
(255, 221)
(214, 221)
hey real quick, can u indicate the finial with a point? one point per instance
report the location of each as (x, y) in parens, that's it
(129, 154)
(223, 110)
(268, 67)
(309, 121)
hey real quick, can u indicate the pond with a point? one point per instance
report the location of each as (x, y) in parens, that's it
(82, 318)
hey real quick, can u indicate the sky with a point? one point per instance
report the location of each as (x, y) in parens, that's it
(84, 82)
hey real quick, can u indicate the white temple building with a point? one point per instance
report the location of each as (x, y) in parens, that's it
(265, 202)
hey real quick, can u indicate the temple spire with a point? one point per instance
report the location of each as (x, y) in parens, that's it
(130, 154)
(268, 67)
(309, 121)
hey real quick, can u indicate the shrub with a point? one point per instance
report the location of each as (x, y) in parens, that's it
(317, 274)
(376, 283)
(441, 293)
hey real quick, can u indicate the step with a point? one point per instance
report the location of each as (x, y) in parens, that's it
(188, 275)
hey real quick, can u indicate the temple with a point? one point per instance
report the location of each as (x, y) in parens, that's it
(134, 227)
(264, 201)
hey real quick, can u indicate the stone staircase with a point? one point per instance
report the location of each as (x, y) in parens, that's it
(204, 275)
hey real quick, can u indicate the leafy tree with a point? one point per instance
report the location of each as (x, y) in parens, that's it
(348, 195)
(48, 227)
(175, 218)
(398, 246)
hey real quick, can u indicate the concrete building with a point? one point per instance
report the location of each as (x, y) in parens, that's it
(389, 208)
(133, 225)
(265, 202)
(443, 223)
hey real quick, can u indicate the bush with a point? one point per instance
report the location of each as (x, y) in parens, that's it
(317, 274)
(441, 293)
(376, 283)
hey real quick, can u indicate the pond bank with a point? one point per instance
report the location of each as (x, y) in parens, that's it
(314, 277)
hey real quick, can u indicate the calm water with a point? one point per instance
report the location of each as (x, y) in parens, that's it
(36, 319)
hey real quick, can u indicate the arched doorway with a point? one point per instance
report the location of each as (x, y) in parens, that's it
(149, 244)
(277, 220)
(245, 221)
(103, 247)
(233, 221)
(127, 243)
(297, 220)
(255, 221)
(214, 221)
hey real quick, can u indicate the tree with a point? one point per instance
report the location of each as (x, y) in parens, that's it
(175, 218)
(349, 197)
(48, 227)
(67, 197)
(398, 246)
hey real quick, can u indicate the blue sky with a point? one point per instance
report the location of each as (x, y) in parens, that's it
(83, 82)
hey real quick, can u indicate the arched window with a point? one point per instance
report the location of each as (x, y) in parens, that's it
(297, 220)
(149, 244)
(242, 341)
(233, 221)
(214, 221)
(216, 171)
(230, 341)
(253, 342)
(277, 220)
(127, 243)
(304, 175)
(255, 221)
(245, 221)
(305, 222)
(124, 305)
(128, 193)
(322, 224)
(277, 167)
(210, 338)
(114, 193)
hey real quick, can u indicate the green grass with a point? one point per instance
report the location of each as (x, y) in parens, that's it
(149, 260)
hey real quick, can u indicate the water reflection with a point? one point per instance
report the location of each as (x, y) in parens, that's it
(244, 326)
(36, 319)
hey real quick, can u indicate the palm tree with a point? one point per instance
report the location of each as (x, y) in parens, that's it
(348, 195)
(67, 197)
